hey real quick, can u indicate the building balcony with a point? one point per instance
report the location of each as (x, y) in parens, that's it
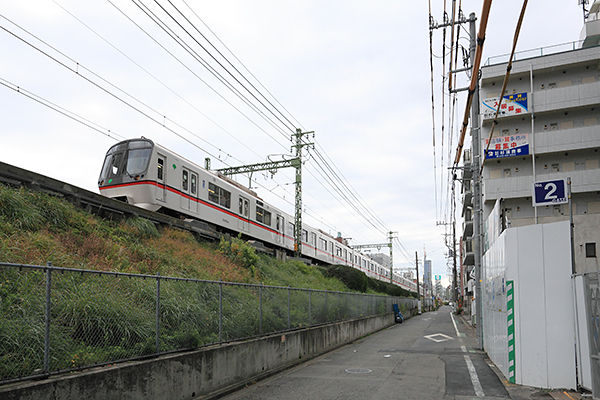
(467, 228)
(550, 141)
(522, 186)
(467, 252)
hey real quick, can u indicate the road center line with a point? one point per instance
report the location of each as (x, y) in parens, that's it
(474, 377)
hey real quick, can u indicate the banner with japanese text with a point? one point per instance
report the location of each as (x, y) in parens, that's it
(512, 104)
(508, 146)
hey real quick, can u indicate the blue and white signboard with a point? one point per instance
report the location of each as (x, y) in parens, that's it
(512, 104)
(550, 193)
(507, 146)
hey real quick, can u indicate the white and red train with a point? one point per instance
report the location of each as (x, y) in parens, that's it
(145, 174)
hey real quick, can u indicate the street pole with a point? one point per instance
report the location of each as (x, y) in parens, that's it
(477, 206)
(418, 290)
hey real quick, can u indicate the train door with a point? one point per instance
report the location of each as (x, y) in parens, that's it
(185, 189)
(280, 229)
(161, 171)
(194, 193)
(313, 244)
(244, 211)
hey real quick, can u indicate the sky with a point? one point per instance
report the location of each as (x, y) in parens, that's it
(76, 77)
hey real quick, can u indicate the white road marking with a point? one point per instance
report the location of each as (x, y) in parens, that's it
(454, 323)
(474, 377)
(438, 337)
(470, 366)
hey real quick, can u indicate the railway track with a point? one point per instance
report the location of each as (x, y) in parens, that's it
(96, 204)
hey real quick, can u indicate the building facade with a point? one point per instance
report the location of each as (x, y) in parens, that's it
(550, 130)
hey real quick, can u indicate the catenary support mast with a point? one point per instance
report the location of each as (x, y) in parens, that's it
(273, 166)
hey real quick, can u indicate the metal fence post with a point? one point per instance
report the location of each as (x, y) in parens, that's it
(309, 308)
(221, 311)
(260, 309)
(289, 311)
(47, 316)
(158, 312)
(326, 309)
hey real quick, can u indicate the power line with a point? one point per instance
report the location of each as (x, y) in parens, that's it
(204, 63)
(195, 74)
(60, 110)
(292, 128)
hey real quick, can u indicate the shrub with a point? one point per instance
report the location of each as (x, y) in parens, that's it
(239, 252)
(351, 277)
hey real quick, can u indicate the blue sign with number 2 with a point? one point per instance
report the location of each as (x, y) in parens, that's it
(549, 192)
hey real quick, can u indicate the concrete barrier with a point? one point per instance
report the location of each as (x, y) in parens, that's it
(206, 373)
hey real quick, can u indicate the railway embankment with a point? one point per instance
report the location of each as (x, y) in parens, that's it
(37, 227)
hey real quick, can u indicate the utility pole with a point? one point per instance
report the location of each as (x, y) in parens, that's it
(272, 167)
(417, 268)
(452, 249)
(477, 207)
(454, 269)
(391, 244)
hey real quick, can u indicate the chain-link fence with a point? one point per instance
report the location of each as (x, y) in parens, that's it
(56, 319)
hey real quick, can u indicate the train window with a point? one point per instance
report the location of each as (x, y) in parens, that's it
(323, 244)
(331, 245)
(338, 251)
(241, 206)
(263, 216)
(114, 164)
(304, 236)
(224, 198)
(346, 255)
(291, 228)
(313, 238)
(159, 172)
(213, 192)
(184, 183)
(219, 195)
(194, 185)
(138, 159)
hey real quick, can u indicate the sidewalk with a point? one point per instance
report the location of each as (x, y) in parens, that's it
(521, 392)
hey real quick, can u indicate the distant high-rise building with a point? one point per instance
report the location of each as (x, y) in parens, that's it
(427, 276)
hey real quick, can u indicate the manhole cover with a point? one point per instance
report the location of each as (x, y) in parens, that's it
(358, 371)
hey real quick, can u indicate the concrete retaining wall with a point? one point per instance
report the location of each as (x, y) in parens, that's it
(205, 373)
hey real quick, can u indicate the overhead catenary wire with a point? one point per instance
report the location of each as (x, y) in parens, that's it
(140, 67)
(189, 49)
(103, 89)
(288, 124)
(69, 114)
(242, 64)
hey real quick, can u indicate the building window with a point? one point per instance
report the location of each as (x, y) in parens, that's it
(590, 250)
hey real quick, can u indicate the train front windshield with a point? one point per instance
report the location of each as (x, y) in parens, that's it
(126, 159)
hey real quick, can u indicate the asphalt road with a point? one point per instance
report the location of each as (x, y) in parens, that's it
(430, 356)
